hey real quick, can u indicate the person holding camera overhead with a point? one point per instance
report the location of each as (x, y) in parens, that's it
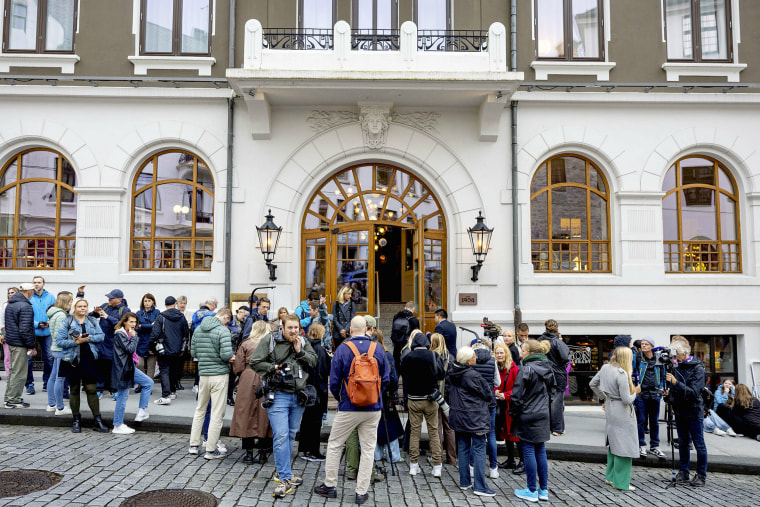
(421, 369)
(283, 359)
(212, 347)
(685, 383)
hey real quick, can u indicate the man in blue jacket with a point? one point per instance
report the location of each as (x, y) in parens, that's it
(652, 381)
(41, 301)
(109, 314)
(350, 416)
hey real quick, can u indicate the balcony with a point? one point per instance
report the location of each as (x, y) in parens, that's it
(405, 68)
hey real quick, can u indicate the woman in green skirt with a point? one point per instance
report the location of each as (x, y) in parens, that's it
(614, 385)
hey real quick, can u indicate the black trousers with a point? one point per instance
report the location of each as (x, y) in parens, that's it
(104, 374)
(311, 426)
(169, 369)
(231, 384)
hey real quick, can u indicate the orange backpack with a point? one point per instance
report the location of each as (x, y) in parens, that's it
(363, 383)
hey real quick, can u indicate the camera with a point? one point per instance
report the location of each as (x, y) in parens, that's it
(74, 334)
(160, 349)
(437, 397)
(267, 392)
(490, 330)
(665, 357)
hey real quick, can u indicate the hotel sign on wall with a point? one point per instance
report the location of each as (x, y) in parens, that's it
(468, 299)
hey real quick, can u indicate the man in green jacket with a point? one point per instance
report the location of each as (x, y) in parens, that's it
(212, 347)
(283, 359)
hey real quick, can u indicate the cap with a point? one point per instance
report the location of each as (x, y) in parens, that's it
(370, 320)
(26, 286)
(116, 293)
(650, 340)
(170, 300)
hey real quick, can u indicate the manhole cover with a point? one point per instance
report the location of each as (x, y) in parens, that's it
(23, 482)
(169, 497)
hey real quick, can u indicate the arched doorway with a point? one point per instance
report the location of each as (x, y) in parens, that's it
(380, 230)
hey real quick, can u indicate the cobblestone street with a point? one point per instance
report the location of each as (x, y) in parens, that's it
(105, 469)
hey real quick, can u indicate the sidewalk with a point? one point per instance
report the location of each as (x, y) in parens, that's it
(584, 441)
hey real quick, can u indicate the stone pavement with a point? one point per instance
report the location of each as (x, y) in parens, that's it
(105, 469)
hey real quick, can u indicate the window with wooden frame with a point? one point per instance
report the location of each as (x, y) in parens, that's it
(39, 26)
(569, 29)
(317, 14)
(175, 27)
(38, 211)
(172, 214)
(700, 218)
(570, 217)
(698, 30)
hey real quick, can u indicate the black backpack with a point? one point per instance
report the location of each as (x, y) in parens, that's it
(400, 330)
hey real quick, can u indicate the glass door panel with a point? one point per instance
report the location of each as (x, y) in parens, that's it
(353, 267)
(315, 263)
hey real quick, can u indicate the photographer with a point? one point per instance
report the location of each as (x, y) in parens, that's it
(652, 381)
(685, 383)
(283, 359)
(421, 371)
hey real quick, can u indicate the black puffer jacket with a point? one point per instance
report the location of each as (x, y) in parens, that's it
(319, 375)
(529, 407)
(470, 398)
(558, 356)
(690, 377)
(486, 366)
(19, 322)
(421, 368)
(171, 326)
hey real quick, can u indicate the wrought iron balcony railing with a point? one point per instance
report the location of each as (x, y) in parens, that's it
(376, 40)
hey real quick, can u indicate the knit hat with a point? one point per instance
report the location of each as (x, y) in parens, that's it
(649, 340)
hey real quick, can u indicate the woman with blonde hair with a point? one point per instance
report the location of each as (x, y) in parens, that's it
(343, 311)
(249, 419)
(529, 409)
(57, 314)
(507, 369)
(614, 384)
(446, 434)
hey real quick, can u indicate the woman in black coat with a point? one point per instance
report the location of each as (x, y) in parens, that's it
(343, 311)
(529, 409)
(390, 418)
(470, 399)
(319, 377)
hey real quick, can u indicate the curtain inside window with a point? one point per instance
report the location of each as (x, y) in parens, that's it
(318, 14)
(59, 34)
(195, 24)
(23, 25)
(159, 15)
(549, 29)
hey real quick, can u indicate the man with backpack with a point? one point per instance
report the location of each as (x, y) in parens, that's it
(404, 322)
(558, 356)
(169, 333)
(358, 375)
(283, 359)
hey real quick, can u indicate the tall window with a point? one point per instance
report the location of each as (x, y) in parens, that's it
(433, 15)
(175, 27)
(569, 217)
(39, 26)
(38, 211)
(317, 14)
(374, 15)
(698, 30)
(173, 214)
(569, 29)
(700, 218)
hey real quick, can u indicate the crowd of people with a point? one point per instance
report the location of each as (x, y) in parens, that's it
(278, 375)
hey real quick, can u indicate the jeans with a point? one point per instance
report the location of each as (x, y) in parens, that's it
(143, 381)
(491, 442)
(285, 419)
(472, 444)
(690, 429)
(380, 451)
(55, 383)
(647, 410)
(206, 421)
(713, 421)
(534, 458)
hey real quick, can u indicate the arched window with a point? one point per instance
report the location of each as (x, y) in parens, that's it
(700, 218)
(38, 211)
(172, 214)
(569, 217)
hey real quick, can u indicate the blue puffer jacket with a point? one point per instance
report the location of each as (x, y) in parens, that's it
(69, 346)
(19, 322)
(40, 304)
(341, 368)
(145, 322)
(107, 324)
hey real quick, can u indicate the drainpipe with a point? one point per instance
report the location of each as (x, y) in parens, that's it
(228, 197)
(515, 206)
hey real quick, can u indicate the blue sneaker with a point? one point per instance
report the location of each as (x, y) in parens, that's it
(543, 494)
(526, 494)
(487, 492)
(30, 389)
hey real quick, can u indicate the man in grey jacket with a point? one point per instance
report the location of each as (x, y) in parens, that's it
(19, 334)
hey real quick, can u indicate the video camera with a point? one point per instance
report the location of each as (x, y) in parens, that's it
(665, 357)
(490, 330)
(437, 397)
(267, 392)
(280, 379)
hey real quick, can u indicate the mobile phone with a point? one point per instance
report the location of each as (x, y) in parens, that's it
(86, 335)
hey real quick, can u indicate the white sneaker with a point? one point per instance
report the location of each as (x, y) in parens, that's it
(163, 401)
(437, 470)
(123, 429)
(494, 474)
(50, 408)
(500, 442)
(719, 432)
(173, 396)
(142, 415)
(414, 468)
(643, 452)
(63, 411)
(219, 445)
(195, 389)
(730, 432)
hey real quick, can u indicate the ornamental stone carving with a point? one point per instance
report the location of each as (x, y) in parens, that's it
(324, 120)
(425, 121)
(374, 121)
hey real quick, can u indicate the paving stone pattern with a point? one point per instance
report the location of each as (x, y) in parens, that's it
(105, 469)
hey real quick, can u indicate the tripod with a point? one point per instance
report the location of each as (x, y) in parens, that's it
(669, 419)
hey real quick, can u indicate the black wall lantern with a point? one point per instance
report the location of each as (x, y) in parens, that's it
(480, 238)
(269, 237)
